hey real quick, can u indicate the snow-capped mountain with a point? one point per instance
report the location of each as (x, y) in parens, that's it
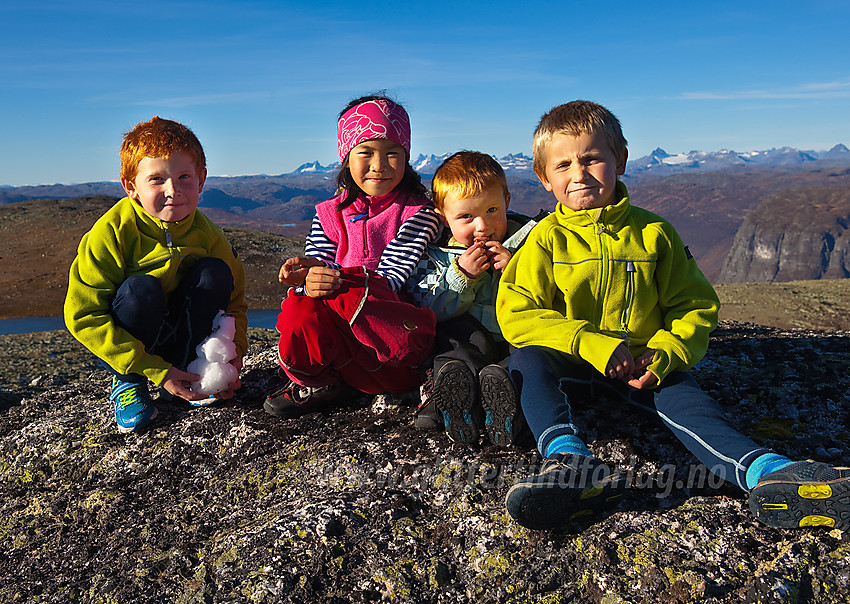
(657, 163)
(661, 163)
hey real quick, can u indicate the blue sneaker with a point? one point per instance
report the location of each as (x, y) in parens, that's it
(134, 408)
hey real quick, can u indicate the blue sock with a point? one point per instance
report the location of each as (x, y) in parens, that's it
(765, 464)
(567, 443)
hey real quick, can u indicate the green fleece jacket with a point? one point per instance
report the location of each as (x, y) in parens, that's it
(127, 241)
(586, 281)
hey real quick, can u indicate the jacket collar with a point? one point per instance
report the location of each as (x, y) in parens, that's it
(154, 226)
(372, 206)
(609, 216)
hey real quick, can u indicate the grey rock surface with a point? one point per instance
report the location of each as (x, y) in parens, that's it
(351, 503)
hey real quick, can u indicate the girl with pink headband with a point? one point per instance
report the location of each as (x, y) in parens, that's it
(341, 322)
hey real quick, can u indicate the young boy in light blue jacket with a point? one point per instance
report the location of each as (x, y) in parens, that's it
(458, 279)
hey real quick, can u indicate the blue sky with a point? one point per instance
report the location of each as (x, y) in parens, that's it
(261, 82)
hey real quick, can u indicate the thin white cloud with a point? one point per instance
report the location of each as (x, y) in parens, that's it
(814, 91)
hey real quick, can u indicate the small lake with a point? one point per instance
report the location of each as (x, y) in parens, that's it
(257, 317)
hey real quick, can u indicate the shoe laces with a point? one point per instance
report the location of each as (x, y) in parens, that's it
(125, 394)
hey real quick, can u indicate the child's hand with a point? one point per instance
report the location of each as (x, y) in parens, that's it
(178, 383)
(294, 271)
(621, 365)
(641, 378)
(322, 281)
(474, 260)
(498, 254)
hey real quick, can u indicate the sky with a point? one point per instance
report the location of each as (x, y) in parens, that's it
(261, 82)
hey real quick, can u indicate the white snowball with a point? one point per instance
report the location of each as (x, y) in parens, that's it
(224, 326)
(214, 356)
(215, 377)
(216, 349)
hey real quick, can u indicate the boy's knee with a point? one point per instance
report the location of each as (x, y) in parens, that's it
(213, 274)
(531, 360)
(139, 295)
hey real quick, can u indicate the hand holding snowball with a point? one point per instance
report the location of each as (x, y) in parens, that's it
(216, 370)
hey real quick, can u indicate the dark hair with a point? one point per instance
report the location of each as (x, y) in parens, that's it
(411, 182)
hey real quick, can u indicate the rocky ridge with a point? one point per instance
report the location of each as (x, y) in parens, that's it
(350, 503)
(801, 234)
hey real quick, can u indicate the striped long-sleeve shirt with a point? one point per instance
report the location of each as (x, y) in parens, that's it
(401, 254)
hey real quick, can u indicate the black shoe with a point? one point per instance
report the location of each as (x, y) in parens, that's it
(501, 405)
(455, 392)
(427, 417)
(567, 487)
(294, 400)
(806, 493)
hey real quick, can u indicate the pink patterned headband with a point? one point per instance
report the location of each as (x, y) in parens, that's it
(371, 120)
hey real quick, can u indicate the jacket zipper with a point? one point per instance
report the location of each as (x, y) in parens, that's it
(603, 270)
(631, 272)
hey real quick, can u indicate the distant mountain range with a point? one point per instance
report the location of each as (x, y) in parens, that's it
(657, 163)
(705, 195)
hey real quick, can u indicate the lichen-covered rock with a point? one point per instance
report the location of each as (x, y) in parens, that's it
(351, 503)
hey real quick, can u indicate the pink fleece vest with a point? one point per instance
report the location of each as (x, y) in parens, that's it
(362, 231)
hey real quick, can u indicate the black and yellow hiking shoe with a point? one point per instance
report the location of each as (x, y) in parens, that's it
(806, 493)
(568, 486)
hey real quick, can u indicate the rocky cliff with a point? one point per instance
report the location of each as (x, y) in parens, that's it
(350, 503)
(796, 235)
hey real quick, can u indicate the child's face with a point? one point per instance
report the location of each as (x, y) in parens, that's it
(167, 189)
(481, 217)
(581, 171)
(377, 166)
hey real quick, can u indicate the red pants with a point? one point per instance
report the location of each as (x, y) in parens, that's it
(317, 348)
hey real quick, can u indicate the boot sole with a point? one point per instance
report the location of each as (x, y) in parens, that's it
(501, 405)
(795, 505)
(454, 394)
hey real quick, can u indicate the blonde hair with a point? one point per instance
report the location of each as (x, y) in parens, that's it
(466, 174)
(574, 119)
(159, 137)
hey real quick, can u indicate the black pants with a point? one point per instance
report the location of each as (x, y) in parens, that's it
(465, 339)
(172, 328)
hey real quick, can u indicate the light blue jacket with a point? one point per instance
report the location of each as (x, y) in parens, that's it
(438, 283)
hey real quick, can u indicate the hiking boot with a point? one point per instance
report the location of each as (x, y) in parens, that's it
(134, 409)
(806, 493)
(454, 394)
(567, 487)
(501, 405)
(427, 417)
(294, 400)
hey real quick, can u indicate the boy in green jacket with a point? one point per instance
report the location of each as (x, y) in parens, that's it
(152, 273)
(604, 298)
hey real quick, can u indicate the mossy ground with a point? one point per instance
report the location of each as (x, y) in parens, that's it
(228, 504)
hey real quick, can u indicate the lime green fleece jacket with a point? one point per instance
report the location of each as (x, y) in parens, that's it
(127, 241)
(586, 281)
